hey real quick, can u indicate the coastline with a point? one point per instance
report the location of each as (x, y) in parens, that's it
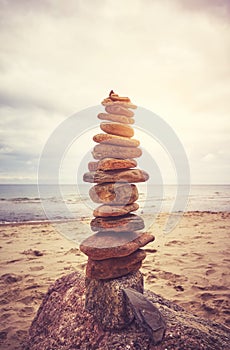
(189, 266)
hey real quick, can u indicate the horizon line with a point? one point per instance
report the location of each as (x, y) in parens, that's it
(85, 183)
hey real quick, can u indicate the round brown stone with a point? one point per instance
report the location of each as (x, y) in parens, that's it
(116, 140)
(117, 129)
(105, 245)
(119, 271)
(114, 193)
(115, 267)
(130, 222)
(118, 108)
(102, 150)
(116, 118)
(130, 175)
(112, 164)
(105, 210)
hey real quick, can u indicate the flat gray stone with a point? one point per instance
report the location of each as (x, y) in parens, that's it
(116, 118)
(118, 109)
(130, 222)
(106, 210)
(103, 150)
(116, 140)
(147, 314)
(130, 175)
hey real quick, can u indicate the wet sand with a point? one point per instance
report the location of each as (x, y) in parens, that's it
(190, 266)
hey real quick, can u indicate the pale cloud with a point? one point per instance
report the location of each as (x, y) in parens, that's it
(171, 57)
(219, 8)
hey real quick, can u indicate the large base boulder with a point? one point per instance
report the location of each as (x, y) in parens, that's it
(62, 323)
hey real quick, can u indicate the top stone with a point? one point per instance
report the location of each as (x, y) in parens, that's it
(115, 99)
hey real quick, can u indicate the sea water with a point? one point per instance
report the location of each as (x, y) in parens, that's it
(28, 203)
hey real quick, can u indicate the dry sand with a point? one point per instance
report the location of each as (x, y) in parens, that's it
(189, 266)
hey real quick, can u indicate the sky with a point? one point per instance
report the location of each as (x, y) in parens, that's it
(169, 56)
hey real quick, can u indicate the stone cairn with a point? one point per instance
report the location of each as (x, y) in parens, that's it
(114, 254)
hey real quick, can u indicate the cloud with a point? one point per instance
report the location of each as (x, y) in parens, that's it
(209, 157)
(59, 57)
(220, 8)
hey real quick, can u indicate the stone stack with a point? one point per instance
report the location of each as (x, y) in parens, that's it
(114, 250)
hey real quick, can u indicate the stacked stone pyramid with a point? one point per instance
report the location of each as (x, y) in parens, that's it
(114, 250)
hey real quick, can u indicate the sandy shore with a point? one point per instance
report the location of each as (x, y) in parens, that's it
(189, 266)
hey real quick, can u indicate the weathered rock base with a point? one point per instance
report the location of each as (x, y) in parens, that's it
(62, 323)
(105, 300)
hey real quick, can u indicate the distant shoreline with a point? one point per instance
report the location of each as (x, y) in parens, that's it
(87, 218)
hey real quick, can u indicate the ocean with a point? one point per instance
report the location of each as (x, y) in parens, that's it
(27, 203)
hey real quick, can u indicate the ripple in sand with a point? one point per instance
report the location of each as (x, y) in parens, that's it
(10, 278)
(36, 268)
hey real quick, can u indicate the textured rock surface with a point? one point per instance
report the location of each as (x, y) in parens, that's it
(96, 271)
(115, 267)
(62, 324)
(114, 193)
(130, 175)
(106, 301)
(118, 129)
(130, 222)
(105, 245)
(116, 140)
(112, 164)
(102, 150)
(105, 210)
(116, 118)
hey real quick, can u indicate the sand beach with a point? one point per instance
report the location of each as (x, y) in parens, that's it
(189, 266)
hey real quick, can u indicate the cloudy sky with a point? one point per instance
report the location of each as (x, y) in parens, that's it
(170, 56)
